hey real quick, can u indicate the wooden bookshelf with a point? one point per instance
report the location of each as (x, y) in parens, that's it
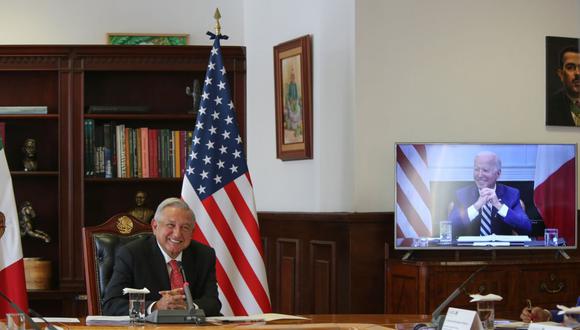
(67, 80)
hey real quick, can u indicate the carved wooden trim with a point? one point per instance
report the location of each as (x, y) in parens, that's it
(288, 277)
(323, 276)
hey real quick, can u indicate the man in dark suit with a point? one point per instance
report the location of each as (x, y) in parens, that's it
(487, 207)
(148, 263)
(563, 107)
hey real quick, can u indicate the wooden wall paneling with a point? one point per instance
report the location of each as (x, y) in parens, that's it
(288, 275)
(323, 276)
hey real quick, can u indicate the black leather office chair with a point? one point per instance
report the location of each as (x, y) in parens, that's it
(100, 243)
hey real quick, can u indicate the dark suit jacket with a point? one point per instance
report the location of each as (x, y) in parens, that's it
(558, 110)
(140, 264)
(516, 218)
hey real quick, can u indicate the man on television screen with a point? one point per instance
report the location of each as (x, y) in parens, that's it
(487, 207)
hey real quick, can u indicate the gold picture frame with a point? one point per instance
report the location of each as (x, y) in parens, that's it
(293, 79)
(147, 39)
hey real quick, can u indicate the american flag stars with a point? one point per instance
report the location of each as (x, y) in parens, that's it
(218, 157)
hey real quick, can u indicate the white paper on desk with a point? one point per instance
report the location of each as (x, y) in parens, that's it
(56, 319)
(457, 318)
(566, 310)
(102, 319)
(547, 326)
(487, 297)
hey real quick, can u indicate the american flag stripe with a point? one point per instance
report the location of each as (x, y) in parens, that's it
(247, 217)
(232, 304)
(238, 255)
(415, 220)
(415, 170)
(413, 181)
(226, 267)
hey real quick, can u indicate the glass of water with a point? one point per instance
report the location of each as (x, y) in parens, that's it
(445, 232)
(551, 237)
(486, 312)
(136, 307)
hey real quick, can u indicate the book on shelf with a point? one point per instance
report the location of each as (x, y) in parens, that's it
(24, 110)
(494, 238)
(117, 109)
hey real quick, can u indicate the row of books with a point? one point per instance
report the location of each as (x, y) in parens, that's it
(116, 151)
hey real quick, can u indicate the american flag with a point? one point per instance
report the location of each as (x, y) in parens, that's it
(218, 189)
(413, 192)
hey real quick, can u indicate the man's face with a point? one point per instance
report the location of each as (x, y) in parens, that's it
(174, 230)
(485, 172)
(570, 74)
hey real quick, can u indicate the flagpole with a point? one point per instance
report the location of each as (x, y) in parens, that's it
(217, 17)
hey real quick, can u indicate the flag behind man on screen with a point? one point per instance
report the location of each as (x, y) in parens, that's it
(218, 189)
(12, 282)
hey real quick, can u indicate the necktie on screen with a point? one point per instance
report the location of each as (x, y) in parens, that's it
(176, 277)
(485, 228)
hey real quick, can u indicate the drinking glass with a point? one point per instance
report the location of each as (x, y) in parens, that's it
(551, 237)
(445, 232)
(485, 310)
(15, 321)
(136, 307)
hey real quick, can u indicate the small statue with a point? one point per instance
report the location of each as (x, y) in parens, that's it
(29, 151)
(27, 215)
(141, 212)
(195, 93)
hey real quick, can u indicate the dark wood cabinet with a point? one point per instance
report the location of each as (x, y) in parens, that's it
(67, 80)
(420, 286)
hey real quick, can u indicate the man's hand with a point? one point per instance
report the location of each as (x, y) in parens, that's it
(487, 195)
(172, 299)
(536, 314)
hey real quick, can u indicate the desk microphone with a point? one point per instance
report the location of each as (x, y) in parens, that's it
(438, 319)
(19, 310)
(191, 315)
(187, 291)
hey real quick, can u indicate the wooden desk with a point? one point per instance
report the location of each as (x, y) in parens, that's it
(317, 321)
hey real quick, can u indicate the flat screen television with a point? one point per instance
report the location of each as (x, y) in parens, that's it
(485, 196)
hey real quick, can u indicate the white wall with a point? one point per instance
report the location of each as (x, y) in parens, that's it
(88, 21)
(324, 183)
(384, 71)
(450, 71)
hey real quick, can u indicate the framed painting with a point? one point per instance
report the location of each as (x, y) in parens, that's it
(147, 39)
(562, 82)
(293, 79)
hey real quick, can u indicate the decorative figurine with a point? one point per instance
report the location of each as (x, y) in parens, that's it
(29, 151)
(195, 92)
(27, 215)
(141, 212)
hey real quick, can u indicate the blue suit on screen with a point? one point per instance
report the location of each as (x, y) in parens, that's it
(515, 220)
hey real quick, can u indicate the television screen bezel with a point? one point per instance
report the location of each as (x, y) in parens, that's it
(456, 247)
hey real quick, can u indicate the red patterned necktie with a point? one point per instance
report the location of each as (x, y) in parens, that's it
(176, 277)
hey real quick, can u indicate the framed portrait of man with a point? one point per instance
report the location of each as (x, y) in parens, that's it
(562, 81)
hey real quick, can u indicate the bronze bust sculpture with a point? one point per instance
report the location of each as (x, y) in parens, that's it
(29, 150)
(140, 211)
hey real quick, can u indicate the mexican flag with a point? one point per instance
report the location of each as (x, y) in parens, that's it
(12, 282)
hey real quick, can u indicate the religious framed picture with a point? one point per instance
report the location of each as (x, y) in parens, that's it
(147, 39)
(293, 79)
(562, 81)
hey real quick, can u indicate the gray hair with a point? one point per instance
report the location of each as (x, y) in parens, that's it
(172, 202)
(495, 157)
